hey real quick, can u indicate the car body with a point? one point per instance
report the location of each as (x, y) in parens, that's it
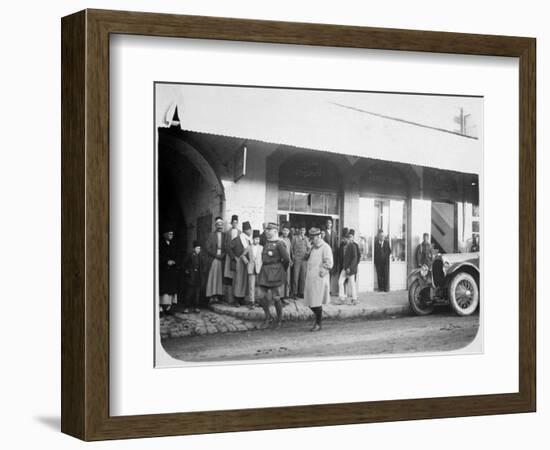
(452, 279)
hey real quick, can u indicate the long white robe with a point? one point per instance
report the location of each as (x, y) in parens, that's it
(317, 286)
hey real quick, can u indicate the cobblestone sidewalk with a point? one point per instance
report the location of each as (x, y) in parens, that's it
(205, 322)
(223, 318)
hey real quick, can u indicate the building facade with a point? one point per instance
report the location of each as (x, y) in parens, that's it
(205, 174)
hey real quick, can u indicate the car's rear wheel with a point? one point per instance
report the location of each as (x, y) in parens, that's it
(419, 297)
(464, 294)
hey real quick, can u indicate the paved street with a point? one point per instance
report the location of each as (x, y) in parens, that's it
(442, 331)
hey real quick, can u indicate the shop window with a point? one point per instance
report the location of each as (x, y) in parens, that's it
(284, 200)
(300, 203)
(397, 226)
(305, 202)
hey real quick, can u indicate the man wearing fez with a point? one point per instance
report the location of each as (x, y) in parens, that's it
(216, 251)
(253, 257)
(300, 250)
(195, 273)
(424, 252)
(317, 286)
(263, 236)
(168, 271)
(275, 261)
(332, 240)
(348, 259)
(382, 253)
(240, 264)
(229, 268)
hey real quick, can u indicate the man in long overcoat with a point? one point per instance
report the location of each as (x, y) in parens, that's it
(216, 251)
(317, 287)
(168, 271)
(382, 252)
(230, 266)
(240, 272)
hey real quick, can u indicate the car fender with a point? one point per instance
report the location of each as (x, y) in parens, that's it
(465, 266)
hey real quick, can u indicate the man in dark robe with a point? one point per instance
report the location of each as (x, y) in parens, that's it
(168, 271)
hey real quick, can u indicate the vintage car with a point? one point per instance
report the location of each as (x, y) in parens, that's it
(452, 279)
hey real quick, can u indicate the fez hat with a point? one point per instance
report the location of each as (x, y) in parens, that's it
(218, 218)
(246, 226)
(272, 226)
(314, 231)
(351, 232)
(255, 234)
(345, 232)
(234, 217)
(196, 244)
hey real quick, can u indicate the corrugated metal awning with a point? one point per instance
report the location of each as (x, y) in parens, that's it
(391, 127)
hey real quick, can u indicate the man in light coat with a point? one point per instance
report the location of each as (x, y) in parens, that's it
(252, 256)
(317, 286)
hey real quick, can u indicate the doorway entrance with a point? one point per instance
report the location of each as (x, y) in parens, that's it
(390, 216)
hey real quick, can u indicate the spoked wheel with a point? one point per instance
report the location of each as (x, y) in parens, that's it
(419, 297)
(464, 294)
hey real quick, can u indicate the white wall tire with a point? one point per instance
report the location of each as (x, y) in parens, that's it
(464, 294)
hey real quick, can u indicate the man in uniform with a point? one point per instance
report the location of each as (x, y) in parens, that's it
(272, 277)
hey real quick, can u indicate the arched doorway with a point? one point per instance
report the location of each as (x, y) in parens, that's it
(189, 192)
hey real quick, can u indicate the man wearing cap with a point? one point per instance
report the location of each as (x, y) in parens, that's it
(253, 257)
(300, 251)
(348, 260)
(240, 275)
(317, 286)
(215, 249)
(168, 271)
(195, 273)
(272, 277)
(230, 265)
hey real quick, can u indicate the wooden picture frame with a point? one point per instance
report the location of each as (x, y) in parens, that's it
(85, 224)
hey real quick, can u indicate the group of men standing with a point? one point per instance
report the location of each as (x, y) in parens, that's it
(246, 267)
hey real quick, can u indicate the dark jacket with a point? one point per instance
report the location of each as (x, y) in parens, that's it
(332, 241)
(236, 249)
(212, 246)
(168, 274)
(349, 257)
(424, 254)
(381, 252)
(195, 269)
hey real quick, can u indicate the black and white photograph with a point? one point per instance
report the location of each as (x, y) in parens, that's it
(297, 224)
